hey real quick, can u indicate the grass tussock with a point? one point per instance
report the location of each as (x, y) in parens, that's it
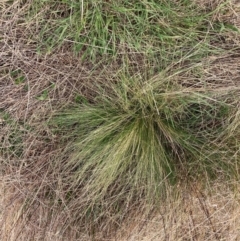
(138, 137)
(111, 110)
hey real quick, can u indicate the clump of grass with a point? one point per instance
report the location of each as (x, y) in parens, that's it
(140, 136)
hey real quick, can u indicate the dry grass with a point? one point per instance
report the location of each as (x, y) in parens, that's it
(195, 216)
(192, 216)
(32, 183)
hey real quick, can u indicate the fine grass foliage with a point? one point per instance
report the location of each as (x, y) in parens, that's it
(140, 136)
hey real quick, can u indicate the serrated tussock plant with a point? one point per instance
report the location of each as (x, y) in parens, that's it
(140, 136)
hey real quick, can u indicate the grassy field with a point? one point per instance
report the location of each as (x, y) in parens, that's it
(119, 120)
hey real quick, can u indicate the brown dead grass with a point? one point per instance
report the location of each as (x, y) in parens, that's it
(196, 216)
(192, 216)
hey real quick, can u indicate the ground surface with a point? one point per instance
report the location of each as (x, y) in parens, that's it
(32, 87)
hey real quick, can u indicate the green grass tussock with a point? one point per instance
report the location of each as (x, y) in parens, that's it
(144, 135)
